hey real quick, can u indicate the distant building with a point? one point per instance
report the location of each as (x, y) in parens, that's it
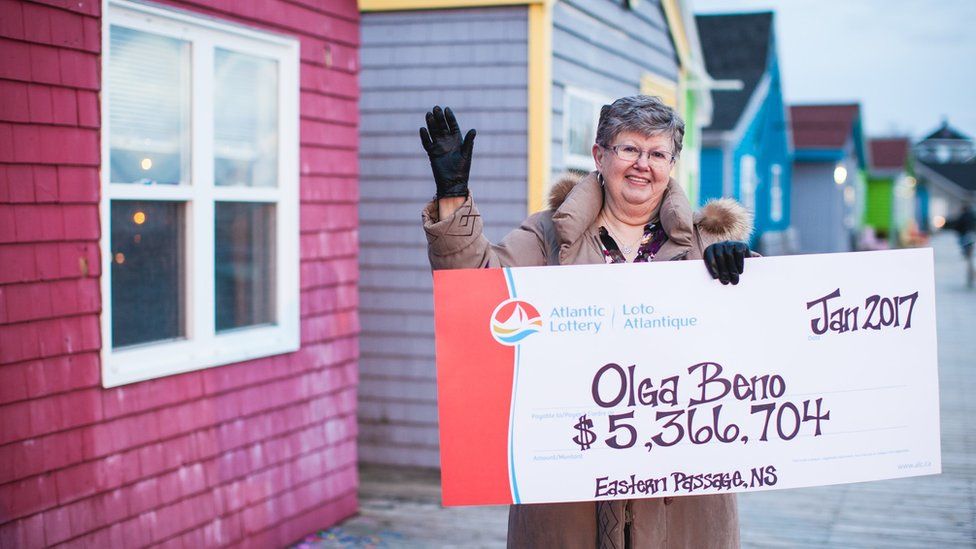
(890, 205)
(946, 170)
(531, 76)
(746, 149)
(828, 176)
(946, 145)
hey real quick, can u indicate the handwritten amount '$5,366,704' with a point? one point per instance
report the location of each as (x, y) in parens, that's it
(785, 420)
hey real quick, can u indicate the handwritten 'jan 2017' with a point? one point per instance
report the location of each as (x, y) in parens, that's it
(880, 312)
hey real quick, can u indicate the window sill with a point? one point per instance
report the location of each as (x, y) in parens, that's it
(150, 361)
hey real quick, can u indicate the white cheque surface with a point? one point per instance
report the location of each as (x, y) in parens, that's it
(630, 388)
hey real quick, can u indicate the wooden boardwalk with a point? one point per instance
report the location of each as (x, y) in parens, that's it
(400, 507)
(932, 511)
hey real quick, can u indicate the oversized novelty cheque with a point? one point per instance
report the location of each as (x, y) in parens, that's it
(600, 382)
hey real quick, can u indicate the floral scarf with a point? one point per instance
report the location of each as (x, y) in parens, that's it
(654, 237)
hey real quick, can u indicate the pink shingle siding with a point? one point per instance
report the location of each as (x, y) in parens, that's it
(256, 453)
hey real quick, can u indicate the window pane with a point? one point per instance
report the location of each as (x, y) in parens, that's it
(581, 131)
(245, 120)
(147, 272)
(149, 107)
(244, 261)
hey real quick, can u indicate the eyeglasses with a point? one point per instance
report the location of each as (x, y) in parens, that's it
(630, 153)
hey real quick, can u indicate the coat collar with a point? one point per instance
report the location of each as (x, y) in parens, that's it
(579, 207)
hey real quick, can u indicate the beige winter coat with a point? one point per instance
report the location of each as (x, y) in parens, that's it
(566, 234)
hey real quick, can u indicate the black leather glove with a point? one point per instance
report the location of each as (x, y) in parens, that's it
(450, 157)
(726, 260)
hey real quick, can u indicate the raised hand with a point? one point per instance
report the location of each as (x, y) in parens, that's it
(726, 260)
(450, 156)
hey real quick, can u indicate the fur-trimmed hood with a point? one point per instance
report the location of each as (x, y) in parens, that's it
(724, 219)
(560, 190)
(719, 219)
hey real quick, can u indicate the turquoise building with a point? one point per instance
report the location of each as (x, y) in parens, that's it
(746, 150)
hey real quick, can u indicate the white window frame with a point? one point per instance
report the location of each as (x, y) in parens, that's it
(572, 160)
(203, 347)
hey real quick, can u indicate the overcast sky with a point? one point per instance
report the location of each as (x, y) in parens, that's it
(908, 62)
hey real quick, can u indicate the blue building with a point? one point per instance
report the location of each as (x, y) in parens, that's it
(745, 152)
(829, 181)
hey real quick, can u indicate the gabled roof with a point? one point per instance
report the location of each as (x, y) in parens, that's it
(947, 132)
(888, 153)
(736, 47)
(822, 126)
(960, 173)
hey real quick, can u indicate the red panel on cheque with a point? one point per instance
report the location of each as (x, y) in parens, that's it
(474, 386)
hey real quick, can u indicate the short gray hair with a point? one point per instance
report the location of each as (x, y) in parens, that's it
(641, 114)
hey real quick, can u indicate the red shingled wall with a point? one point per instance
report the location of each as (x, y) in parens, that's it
(260, 452)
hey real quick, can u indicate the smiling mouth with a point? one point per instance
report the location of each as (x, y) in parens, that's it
(638, 180)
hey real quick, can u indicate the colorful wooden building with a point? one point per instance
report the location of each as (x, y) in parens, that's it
(829, 160)
(946, 171)
(746, 149)
(178, 269)
(890, 194)
(531, 76)
(945, 145)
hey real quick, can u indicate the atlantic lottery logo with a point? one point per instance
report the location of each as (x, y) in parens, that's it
(514, 320)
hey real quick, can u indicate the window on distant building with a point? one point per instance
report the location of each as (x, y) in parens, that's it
(776, 193)
(200, 201)
(581, 113)
(747, 181)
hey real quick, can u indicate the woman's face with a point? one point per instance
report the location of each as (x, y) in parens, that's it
(632, 186)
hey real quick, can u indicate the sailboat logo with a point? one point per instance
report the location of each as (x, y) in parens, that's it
(514, 320)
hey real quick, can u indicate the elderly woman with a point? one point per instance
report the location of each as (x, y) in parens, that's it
(628, 210)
